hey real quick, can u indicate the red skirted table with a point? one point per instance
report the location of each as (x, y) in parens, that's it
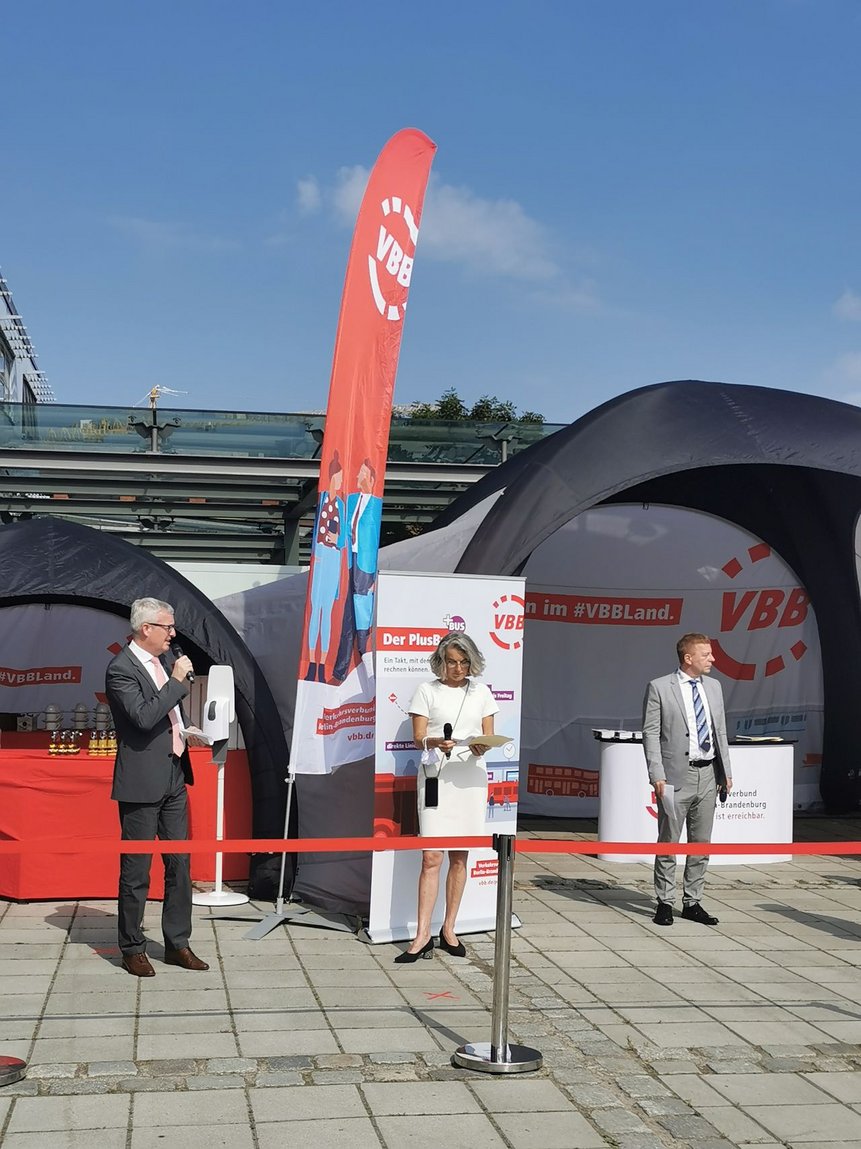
(44, 796)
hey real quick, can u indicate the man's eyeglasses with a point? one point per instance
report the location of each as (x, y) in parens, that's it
(168, 626)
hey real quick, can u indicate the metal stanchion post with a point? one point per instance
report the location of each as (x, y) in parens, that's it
(497, 1056)
(12, 1069)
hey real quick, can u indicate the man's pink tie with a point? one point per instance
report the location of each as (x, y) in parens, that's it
(161, 679)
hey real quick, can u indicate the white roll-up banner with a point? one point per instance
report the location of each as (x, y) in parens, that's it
(414, 611)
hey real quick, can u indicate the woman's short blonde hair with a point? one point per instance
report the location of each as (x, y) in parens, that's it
(457, 641)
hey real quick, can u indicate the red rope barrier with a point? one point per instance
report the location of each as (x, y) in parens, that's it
(378, 844)
(559, 847)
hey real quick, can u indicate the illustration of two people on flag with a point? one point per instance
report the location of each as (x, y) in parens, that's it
(346, 535)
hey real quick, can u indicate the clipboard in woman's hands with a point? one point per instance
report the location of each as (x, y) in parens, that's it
(488, 740)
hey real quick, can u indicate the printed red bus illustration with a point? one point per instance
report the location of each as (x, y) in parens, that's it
(562, 781)
(395, 810)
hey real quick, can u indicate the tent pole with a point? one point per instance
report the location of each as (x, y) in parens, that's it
(279, 900)
(288, 911)
(302, 915)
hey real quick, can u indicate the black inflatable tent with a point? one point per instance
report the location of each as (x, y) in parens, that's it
(51, 560)
(782, 465)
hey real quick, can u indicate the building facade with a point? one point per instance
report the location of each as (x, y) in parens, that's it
(21, 381)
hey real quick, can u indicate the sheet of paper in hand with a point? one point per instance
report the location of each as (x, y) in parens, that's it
(487, 740)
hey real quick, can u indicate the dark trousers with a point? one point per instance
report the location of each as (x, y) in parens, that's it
(143, 822)
(358, 583)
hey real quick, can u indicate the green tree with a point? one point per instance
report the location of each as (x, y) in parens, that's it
(450, 406)
(424, 411)
(487, 409)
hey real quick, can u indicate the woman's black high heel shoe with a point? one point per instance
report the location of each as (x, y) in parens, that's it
(406, 958)
(458, 951)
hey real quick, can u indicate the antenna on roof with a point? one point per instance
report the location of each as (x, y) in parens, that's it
(152, 397)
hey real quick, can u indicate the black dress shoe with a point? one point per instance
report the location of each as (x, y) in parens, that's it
(663, 914)
(696, 913)
(458, 951)
(406, 958)
(184, 958)
(138, 965)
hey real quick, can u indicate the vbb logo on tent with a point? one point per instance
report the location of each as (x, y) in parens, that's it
(755, 610)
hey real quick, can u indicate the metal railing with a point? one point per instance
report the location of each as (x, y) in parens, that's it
(59, 427)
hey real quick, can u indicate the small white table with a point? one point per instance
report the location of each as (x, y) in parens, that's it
(759, 807)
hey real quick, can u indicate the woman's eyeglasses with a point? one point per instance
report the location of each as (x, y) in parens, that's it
(457, 662)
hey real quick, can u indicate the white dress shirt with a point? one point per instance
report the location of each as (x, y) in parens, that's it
(146, 658)
(696, 754)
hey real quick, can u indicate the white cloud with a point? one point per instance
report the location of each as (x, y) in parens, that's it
(493, 237)
(848, 367)
(490, 237)
(848, 306)
(158, 237)
(347, 194)
(581, 296)
(842, 379)
(283, 233)
(308, 196)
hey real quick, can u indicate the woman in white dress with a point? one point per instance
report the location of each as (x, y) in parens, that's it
(459, 775)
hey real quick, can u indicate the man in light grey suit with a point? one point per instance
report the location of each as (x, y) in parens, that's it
(144, 690)
(687, 753)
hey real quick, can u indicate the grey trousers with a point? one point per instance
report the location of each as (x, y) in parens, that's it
(694, 804)
(144, 821)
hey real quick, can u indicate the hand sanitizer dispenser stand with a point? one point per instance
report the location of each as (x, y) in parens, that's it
(218, 714)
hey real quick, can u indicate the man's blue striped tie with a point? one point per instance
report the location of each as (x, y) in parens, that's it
(702, 723)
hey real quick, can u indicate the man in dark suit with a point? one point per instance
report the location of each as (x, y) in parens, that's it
(687, 753)
(145, 686)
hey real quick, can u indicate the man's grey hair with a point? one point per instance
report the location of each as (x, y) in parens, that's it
(455, 641)
(147, 610)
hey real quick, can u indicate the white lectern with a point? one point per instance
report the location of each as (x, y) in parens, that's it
(218, 713)
(759, 807)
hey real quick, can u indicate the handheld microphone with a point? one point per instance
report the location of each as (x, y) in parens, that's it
(446, 733)
(177, 650)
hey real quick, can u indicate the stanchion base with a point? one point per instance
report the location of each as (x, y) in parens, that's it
(12, 1069)
(302, 917)
(477, 1055)
(219, 898)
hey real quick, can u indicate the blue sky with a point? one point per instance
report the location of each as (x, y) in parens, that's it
(625, 191)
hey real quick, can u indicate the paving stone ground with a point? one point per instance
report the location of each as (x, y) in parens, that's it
(748, 1034)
